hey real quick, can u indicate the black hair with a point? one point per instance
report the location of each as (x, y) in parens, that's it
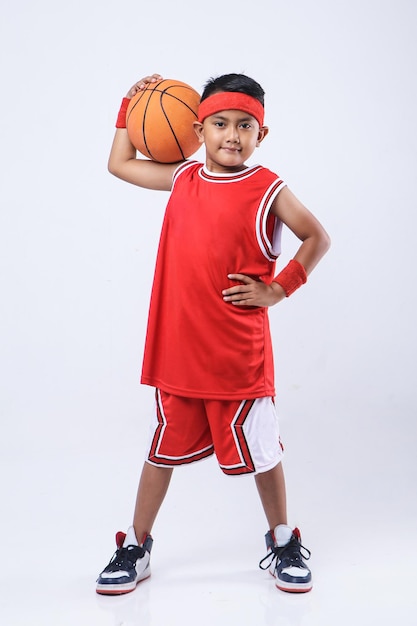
(234, 82)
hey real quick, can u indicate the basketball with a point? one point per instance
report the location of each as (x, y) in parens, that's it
(160, 118)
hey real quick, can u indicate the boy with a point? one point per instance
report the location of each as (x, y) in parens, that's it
(208, 350)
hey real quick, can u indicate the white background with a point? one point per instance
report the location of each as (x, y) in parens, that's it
(77, 251)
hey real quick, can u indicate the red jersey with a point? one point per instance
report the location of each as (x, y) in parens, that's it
(197, 345)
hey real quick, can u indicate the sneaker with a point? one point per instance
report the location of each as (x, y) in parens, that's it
(286, 562)
(128, 565)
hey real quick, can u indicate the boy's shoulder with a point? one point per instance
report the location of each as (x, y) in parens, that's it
(186, 166)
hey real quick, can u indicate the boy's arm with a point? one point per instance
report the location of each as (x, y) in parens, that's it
(315, 243)
(123, 161)
(315, 240)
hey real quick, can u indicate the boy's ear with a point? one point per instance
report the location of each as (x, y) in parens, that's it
(263, 131)
(198, 127)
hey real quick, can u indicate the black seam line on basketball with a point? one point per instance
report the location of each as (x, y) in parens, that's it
(157, 86)
(134, 106)
(179, 100)
(170, 126)
(155, 89)
(161, 94)
(166, 92)
(152, 91)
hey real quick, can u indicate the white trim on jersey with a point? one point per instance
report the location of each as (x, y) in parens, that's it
(227, 177)
(271, 249)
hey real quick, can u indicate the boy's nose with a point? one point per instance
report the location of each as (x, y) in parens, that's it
(233, 135)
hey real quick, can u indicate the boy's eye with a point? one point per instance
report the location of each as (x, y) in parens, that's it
(246, 125)
(219, 124)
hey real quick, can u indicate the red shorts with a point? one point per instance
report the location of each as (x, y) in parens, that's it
(243, 434)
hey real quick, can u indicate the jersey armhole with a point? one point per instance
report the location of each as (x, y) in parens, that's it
(268, 226)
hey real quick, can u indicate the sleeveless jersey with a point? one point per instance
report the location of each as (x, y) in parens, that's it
(197, 345)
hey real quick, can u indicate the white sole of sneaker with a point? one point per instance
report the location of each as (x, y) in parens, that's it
(118, 590)
(291, 587)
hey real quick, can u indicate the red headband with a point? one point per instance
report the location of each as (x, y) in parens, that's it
(226, 100)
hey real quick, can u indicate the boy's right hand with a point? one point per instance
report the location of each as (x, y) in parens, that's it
(142, 84)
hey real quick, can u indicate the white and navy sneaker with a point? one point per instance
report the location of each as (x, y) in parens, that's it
(128, 566)
(286, 564)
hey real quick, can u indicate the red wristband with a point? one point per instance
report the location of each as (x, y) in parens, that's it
(121, 118)
(291, 277)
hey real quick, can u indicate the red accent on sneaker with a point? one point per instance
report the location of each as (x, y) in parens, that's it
(120, 537)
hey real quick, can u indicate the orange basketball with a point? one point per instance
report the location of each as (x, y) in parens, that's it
(160, 118)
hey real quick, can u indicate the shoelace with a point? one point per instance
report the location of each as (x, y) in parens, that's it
(124, 558)
(293, 553)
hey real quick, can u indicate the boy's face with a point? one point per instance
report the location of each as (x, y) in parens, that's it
(230, 137)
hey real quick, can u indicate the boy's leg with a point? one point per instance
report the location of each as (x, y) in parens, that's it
(271, 489)
(284, 544)
(131, 562)
(153, 485)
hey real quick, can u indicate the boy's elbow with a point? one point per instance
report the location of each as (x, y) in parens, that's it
(111, 167)
(326, 242)
(114, 168)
